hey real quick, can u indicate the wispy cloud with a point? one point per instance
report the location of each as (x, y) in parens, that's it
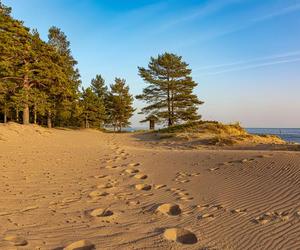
(281, 12)
(245, 25)
(202, 11)
(243, 62)
(252, 66)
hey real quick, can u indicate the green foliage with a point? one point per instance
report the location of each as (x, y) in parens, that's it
(119, 105)
(40, 80)
(92, 109)
(205, 127)
(169, 95)
(43, 75)
(99, 88)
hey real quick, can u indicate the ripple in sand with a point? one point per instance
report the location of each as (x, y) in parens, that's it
(100, 176)
(29, 208)
(105, 185)
(159, 186)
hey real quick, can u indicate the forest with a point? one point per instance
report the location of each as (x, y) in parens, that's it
(40, 83)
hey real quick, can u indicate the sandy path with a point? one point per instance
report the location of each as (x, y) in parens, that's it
(53, 183)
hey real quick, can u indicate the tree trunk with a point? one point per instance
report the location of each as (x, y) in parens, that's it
(49, 121)
(5, 116)
(86, 122)
(170, 123)
(26, 106)
(17, 114)
(26, 114)
(35, 115)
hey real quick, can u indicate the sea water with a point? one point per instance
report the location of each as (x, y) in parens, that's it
(287, 134)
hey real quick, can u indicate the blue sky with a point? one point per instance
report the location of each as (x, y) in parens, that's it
(245, 54)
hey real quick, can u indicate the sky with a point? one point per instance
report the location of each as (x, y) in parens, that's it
(245, 54)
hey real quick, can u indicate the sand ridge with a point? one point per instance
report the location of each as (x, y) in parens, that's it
(81, 187)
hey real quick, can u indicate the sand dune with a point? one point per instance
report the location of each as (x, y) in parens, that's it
(85, 189)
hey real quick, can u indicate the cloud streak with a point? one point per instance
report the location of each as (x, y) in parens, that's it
(246, 25)
(202, 11)
(252, 66)
(243, 62)
(284, 11)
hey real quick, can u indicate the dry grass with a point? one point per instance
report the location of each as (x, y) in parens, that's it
(215, 133)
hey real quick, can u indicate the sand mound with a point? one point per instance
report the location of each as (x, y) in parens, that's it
(216, 134)
(13, 131)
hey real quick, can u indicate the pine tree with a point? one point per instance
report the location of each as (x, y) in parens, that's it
(100, 89)
(25, 59)
(92, 108)
(39, 104)
(64, 91)
(98, 86)
(6, 91)
(120, 102)
(169, 94)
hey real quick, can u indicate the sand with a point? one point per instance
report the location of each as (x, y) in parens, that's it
(65, 188)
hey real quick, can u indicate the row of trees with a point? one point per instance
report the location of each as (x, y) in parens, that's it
(40, 82)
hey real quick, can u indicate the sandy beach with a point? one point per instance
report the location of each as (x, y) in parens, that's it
(61, 186)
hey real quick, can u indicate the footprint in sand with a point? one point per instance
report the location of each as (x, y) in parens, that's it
(16, 240)
(133, 164)
(80, 245)
(105, 185)
(238, 211)
(169, 209)
(131, 171)
(271, 217)
(100, 176)
(144, 187)
(100, 212)
(213, 169)
(132, 203)
(141, 176)
(180, 235)
(111, 167)
(97, 194)
(205, 216)
(181, 194)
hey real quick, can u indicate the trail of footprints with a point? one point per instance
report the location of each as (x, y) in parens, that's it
(111, 188)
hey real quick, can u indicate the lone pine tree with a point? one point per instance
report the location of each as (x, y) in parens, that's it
(169, 94)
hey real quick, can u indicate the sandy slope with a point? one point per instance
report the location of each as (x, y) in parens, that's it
(228, 199)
